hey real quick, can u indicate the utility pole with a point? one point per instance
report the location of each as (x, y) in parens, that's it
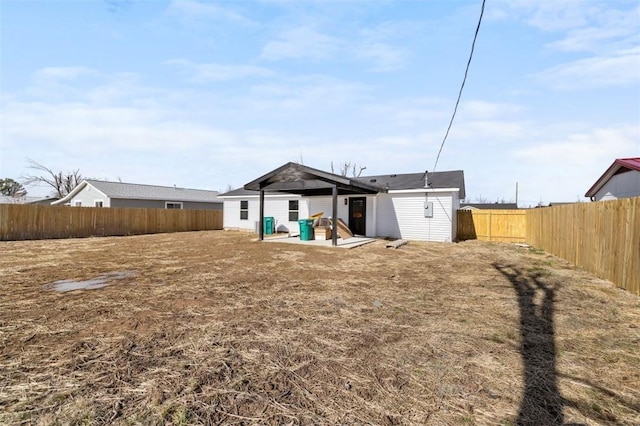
(516, 193)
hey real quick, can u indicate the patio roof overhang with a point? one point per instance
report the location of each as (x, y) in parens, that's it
(299, 179)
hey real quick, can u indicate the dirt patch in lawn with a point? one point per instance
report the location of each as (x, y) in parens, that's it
(213, 327)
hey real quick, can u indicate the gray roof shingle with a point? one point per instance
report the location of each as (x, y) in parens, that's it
(154, 192)
(449, 179)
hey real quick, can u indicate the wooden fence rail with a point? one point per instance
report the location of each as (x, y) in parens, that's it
(601, 237)
(34, 222)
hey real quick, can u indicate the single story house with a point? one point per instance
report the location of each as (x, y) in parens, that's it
(98, 193)
(488, 206)
(620, 180)
(25, 199)
(413, 206)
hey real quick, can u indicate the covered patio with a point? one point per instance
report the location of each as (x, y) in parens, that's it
(298, 179)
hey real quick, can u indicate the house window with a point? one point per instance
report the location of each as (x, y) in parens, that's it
(99, 203)
(169, 205)
(244, 210)
(293, 210)
(78, 204)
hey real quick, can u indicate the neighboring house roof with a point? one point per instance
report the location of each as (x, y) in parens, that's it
(136, 191)
(8, 199)
(39, 200)
(489, 206)
(436, 180)
(561, 203)
(619, 165)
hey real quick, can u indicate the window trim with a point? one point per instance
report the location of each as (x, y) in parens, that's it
(244, 210)
(77, 204)
(95, 203)
(177, 203)
(295, 211)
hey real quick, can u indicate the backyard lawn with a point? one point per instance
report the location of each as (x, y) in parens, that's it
(216, 328)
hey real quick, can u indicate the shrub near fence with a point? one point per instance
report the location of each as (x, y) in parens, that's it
(33, 222)
(601, 237)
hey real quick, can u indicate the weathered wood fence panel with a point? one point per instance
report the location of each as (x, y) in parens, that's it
(507, 226)
(601, 237)
(33, 222)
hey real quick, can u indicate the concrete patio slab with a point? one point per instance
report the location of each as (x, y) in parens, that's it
(347, 243)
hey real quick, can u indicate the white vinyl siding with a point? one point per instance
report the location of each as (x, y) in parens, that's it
(274, 206)
(402, 216)
(622, 185)
(395, 215)
(88, 197)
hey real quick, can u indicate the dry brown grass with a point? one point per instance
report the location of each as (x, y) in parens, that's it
(216, 328)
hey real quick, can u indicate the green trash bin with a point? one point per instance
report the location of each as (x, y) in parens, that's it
(306, 229)
(269, 225)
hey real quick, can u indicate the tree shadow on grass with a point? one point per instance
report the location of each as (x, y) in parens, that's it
(541, 403)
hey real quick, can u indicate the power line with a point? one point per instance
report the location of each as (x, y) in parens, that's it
(464, 80)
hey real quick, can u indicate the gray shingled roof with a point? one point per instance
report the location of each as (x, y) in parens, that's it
(152, 192)
(490, 206)
(450, 179)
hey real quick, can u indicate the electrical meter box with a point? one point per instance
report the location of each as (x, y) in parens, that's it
(428, 209)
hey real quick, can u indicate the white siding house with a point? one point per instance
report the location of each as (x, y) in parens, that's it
(97, 193)
(620, 180)
(276, 206)
(397, 210)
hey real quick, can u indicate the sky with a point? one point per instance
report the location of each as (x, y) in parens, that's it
(213, 94)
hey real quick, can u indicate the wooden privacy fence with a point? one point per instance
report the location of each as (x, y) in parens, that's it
(601, 237)
(33, 222)
(507, 226)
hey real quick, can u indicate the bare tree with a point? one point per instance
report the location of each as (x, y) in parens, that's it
(61, 182)
(347, 167)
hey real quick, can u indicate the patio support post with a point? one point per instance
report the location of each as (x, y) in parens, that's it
(334, 216)
(261, 230)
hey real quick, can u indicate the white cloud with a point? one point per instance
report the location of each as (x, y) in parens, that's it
(477, 109)
(383, 56)
(620, 68)
(571, 163)
(606, 31)
(50, 74)
(202, 73)
(584, 149)
(301, 43)
(195, 11)
(310, 44)
(546, 15)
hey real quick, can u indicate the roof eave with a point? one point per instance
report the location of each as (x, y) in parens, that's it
(608, 174)
(72, 194)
